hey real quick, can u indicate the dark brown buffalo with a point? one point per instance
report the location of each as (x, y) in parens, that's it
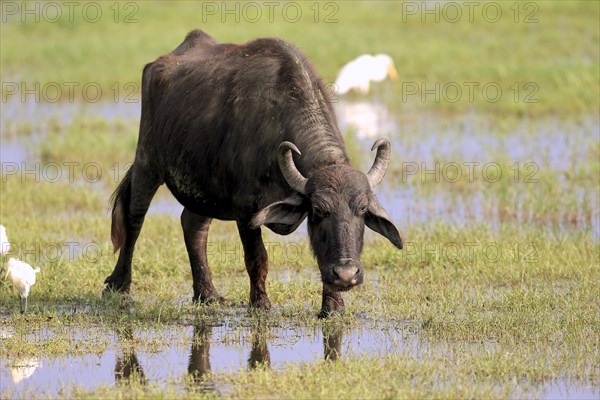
(247, 133)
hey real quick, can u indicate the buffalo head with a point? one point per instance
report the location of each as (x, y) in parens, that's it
(339, 202)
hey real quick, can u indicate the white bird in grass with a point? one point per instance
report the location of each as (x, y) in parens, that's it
(358, 73)
(22, 276)
(4, 243)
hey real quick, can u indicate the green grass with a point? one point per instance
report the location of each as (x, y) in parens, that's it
(535, 302)
(558, 54)
(539, 309)
(489, 325)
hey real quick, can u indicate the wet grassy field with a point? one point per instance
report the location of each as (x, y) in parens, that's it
(496, 291)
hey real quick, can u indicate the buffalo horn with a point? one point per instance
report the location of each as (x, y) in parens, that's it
(286, 163)
(382, 159)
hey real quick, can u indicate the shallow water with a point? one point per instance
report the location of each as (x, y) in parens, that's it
(421, 143)
(182, 355)
(558, 147)
(406, 207)
(560, 389)
(17, 112)
(193, 350)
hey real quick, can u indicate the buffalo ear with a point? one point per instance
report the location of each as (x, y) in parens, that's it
(282, 217)
(378, 220)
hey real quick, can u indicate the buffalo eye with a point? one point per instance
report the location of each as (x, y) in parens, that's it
(320, 213)
(362, 209)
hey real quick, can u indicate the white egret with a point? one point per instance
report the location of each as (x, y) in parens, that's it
(358, 73)
(4, 243)
(22, 276)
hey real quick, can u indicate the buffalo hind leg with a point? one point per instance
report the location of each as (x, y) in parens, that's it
(332, 302)
(130, 204)
(195, 231)
(257, 264)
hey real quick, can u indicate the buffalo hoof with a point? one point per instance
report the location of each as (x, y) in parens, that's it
(211, 299)
(323, 314)
(332, 303)
(119, 286)
(262, 303)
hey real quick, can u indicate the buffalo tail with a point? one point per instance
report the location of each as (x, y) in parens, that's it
(120, 209)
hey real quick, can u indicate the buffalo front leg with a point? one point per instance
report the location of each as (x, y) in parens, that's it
(195, 231)
(257, 264)
(332, 302)
(130, 204)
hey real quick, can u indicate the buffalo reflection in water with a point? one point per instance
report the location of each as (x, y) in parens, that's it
(128, 367)
(332, 344)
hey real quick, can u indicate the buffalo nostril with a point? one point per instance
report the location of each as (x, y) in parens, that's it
(346, 274)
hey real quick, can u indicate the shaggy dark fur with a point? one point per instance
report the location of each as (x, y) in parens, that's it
(213, 116)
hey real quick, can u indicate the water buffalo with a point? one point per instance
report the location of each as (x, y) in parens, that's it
(248, 133)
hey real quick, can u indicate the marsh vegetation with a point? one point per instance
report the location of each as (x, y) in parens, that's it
(496, 291)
